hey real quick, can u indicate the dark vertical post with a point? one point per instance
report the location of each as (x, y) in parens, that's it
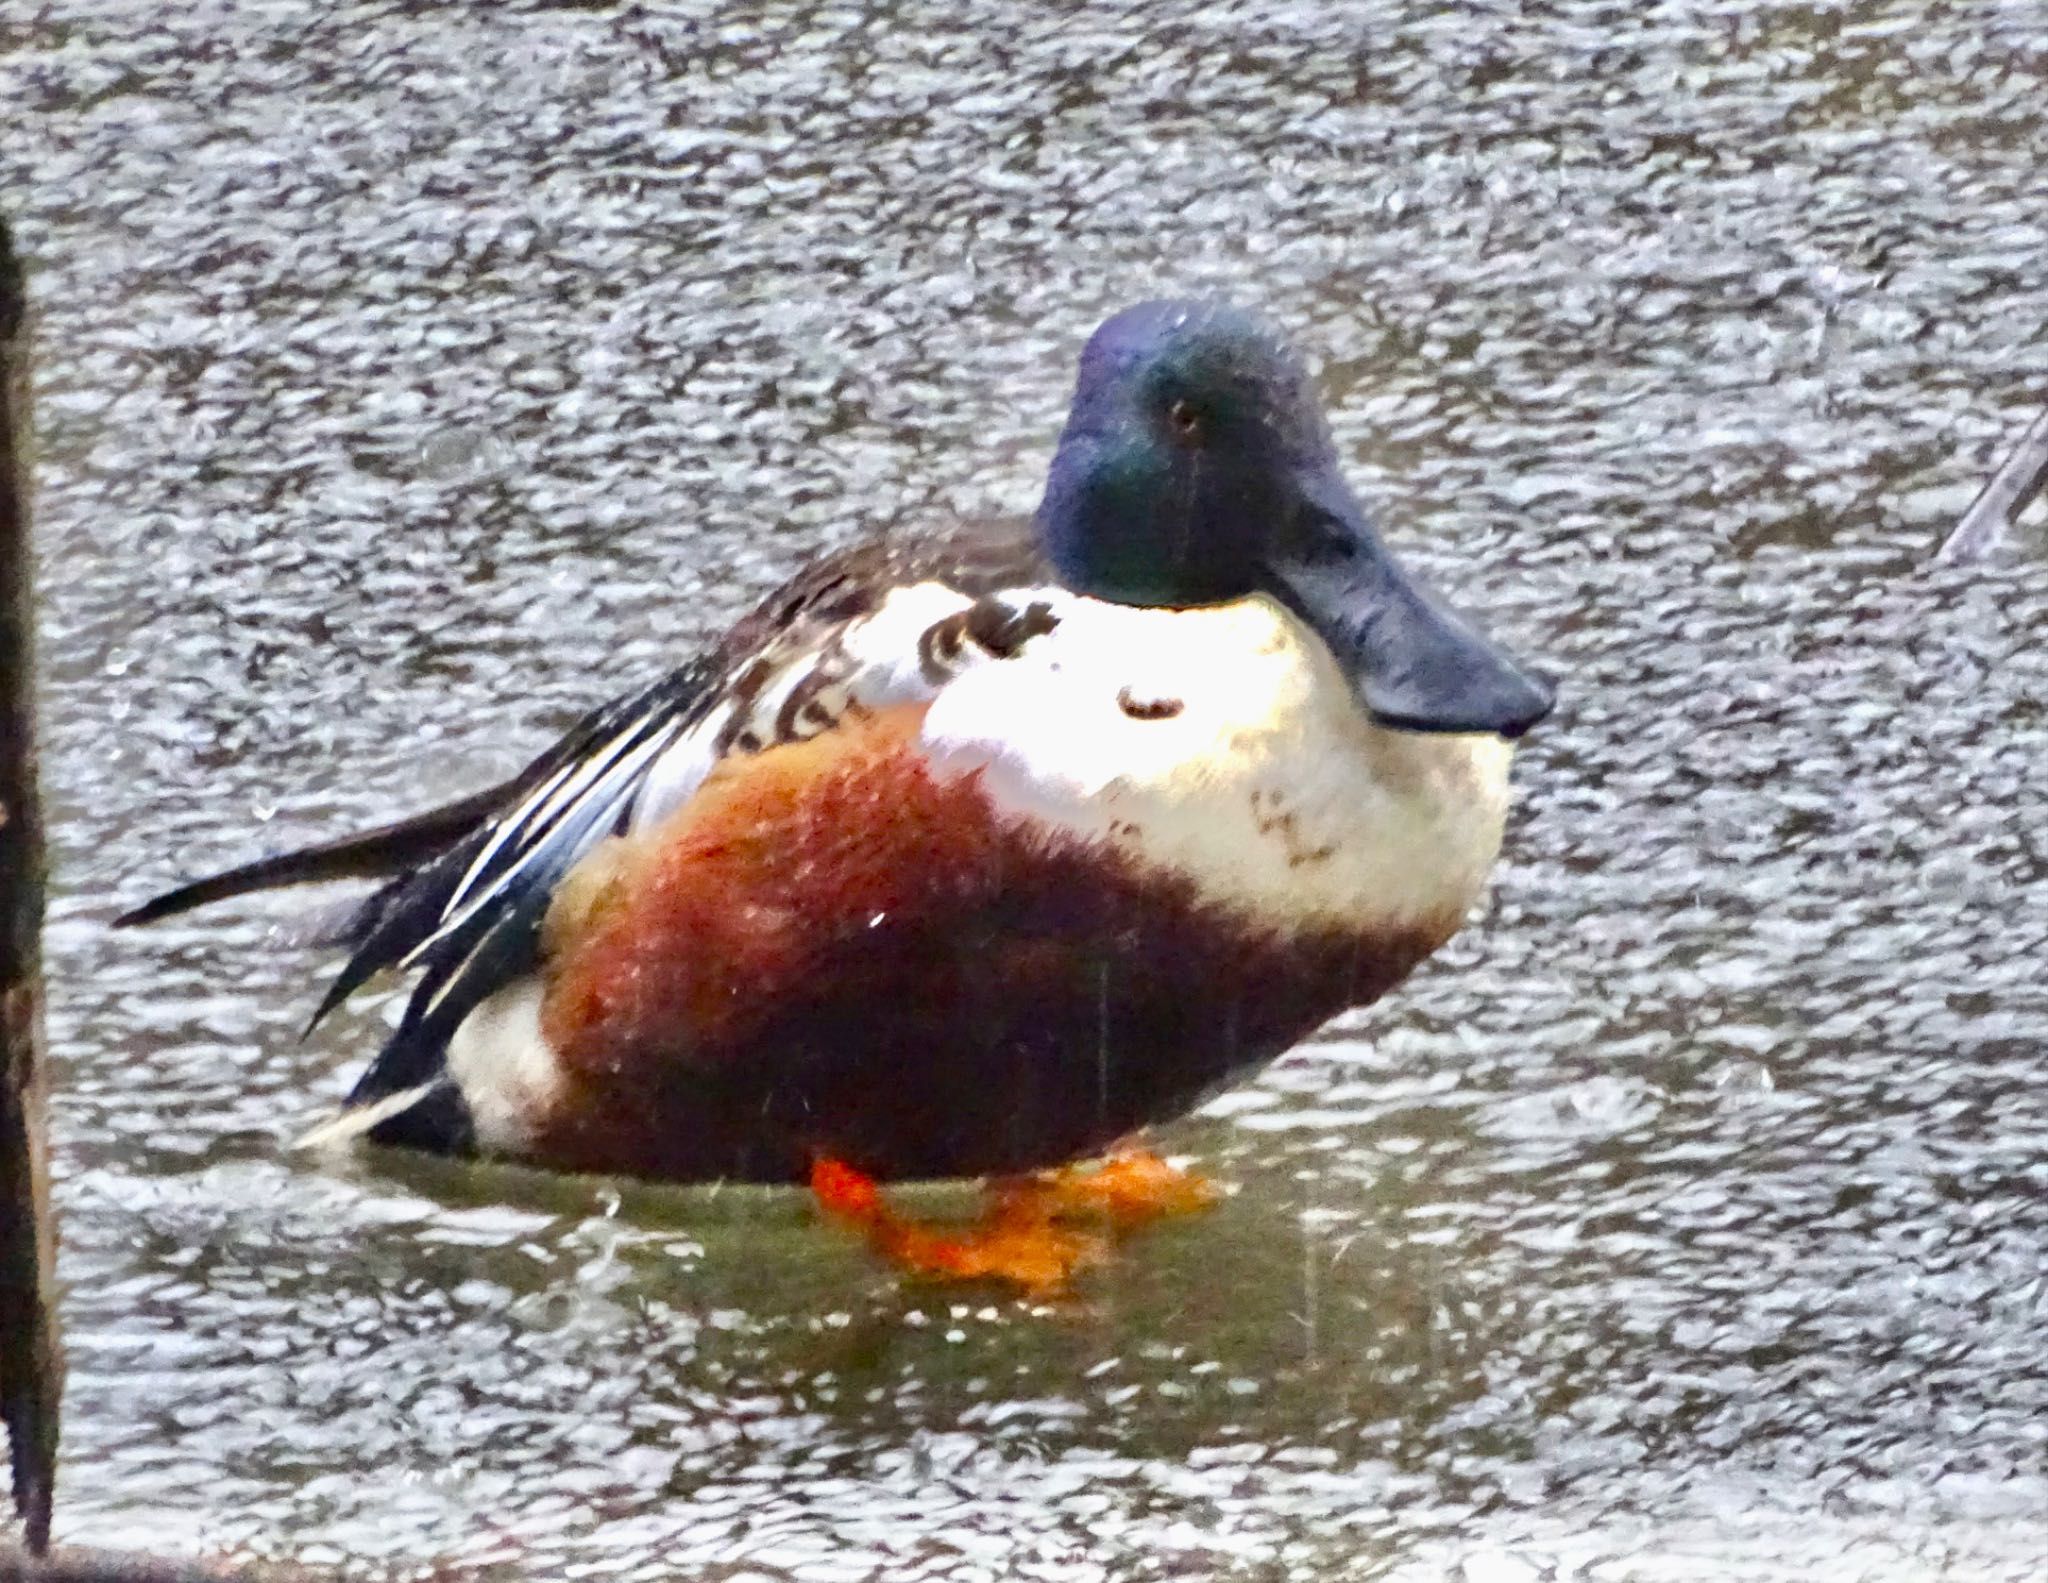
(30, 1368)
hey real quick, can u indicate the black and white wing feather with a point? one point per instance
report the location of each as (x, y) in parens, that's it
(471, 918)
(476, 878)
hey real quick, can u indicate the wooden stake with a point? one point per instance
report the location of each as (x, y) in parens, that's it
(31, 1369)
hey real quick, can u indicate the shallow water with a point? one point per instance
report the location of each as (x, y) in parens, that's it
(412, 377)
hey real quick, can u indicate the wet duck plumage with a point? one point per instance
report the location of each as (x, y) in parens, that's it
(964, 853)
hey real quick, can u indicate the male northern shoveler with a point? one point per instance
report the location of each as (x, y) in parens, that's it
(967, 854)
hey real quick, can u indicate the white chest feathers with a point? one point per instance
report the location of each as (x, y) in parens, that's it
(1224, 743)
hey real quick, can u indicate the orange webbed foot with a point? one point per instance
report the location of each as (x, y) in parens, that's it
(1027, 1236)
(1130, 1189)
(1018, 1239)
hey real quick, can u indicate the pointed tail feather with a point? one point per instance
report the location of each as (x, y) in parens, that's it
(356, 1122)
(432, 1116)
(373, 854)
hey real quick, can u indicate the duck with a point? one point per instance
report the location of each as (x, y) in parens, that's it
(968, 853)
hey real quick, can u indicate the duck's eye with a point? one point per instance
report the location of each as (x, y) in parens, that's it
(1185, 421)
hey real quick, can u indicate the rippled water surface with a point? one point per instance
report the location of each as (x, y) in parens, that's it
(413, 376)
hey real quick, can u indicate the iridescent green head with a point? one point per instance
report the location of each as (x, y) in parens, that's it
(1196, 467)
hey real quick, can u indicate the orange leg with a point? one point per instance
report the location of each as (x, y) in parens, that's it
(1025, 1236)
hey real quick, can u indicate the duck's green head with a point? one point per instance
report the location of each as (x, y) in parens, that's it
(1196, 467)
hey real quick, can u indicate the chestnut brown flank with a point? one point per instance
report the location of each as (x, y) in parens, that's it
(832, 950)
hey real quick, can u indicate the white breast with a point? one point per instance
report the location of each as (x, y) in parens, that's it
(1267, 784)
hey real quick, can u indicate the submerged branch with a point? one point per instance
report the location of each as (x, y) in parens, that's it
(70, 1565)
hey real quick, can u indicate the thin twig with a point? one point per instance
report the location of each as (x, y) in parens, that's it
(2015, 484)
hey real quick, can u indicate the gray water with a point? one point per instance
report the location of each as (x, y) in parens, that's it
(412, 377)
